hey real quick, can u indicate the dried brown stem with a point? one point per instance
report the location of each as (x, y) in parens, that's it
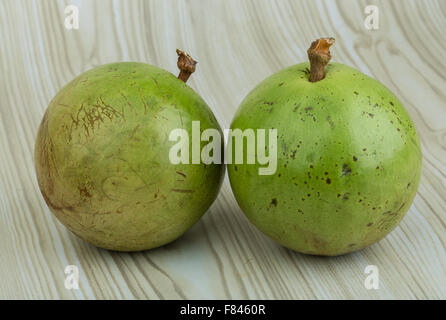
(319, 55)
(186, 65)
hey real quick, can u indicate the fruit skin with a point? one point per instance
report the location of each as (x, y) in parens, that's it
(102, 157)
(348, 166)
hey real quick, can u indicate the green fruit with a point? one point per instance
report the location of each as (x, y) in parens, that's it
(348, 160)
(102, 157)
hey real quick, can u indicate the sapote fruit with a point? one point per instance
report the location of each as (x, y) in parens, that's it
(102, 156)
(348, 157)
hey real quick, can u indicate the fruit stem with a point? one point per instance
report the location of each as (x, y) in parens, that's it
(319, 55)
(186, 65)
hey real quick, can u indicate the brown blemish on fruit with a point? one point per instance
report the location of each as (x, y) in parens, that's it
(90, 117)
(84, 192)
(402, 206)
(181, 174)
(274, 202)
(387, 220)
(330, 122)
(346, 170)
(46, 168)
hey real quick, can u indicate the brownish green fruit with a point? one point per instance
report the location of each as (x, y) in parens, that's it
(348, 157)
(102, 156)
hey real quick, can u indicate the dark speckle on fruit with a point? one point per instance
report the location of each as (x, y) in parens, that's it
(274, 202)
(346, 170)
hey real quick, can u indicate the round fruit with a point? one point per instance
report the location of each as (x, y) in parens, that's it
(102, 156)
(348, 157)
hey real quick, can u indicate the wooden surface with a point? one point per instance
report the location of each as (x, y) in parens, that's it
(237, 44)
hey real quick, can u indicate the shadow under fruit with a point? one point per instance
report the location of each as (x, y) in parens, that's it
(348, 157)
(102, 156)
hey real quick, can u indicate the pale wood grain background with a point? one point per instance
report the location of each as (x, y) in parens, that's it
(237, 44)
